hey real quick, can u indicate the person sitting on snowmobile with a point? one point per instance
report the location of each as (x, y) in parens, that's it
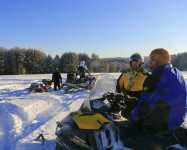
(71, 77)
(82, 70)
(131, 81)
(57, 79)
(163, 104)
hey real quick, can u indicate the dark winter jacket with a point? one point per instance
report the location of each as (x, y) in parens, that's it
(163, 104)
(82, 71)
(130, 82)
(56, 78)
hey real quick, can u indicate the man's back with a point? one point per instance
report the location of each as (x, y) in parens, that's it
(56, 77)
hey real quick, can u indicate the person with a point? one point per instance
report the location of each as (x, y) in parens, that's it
(163, 105)
(57, 79)
(71, 77)
(82, 70)
(130, 82)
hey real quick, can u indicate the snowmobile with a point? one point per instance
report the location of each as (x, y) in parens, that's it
(79, 84)
(98, 125)
(40, 87)
(37, 88)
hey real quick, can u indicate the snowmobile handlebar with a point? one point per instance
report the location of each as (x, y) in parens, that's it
(117, 97)
(120, 101)
(117, 101)
(120, 98)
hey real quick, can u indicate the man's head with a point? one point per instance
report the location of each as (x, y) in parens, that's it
(82, 63)
(136, 60)
(159, 57)
(56, 69)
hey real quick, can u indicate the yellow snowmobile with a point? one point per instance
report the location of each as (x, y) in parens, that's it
(98, 125)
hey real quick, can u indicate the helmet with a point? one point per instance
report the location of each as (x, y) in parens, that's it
(136, 56)
(82, 63)
(56, 69)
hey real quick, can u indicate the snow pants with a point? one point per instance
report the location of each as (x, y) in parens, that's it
(56, 84)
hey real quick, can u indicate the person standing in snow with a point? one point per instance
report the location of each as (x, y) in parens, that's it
(130, 82)
(163, 104)
(82, 70)
(57, 79)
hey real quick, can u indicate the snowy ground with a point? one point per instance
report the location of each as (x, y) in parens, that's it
(24, 115)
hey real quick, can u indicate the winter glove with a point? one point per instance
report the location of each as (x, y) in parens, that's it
(130, 101)
(108, 95)
(116, 100)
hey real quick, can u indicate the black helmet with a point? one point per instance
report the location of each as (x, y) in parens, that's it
(56, 69)
(136, 56)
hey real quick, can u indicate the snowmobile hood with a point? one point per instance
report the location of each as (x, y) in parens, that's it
(90, 120)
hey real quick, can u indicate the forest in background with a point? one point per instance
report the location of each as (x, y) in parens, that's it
(32, 61)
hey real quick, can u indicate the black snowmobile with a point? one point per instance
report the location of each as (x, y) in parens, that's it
(98, 125)
(79, 84)
(40, 87)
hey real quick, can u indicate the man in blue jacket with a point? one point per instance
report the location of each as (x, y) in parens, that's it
(163, 104)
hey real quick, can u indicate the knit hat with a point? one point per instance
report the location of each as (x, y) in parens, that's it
(162, 56)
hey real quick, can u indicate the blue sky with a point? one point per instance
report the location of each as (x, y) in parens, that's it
(109, 28)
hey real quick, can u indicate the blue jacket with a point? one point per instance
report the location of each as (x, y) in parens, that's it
(163, 104)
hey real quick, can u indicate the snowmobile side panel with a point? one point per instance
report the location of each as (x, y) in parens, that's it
(69, 136)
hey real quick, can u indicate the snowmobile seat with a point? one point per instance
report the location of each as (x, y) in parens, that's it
(47, 82)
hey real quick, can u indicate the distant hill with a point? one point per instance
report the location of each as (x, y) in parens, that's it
(116, 59)
(120, 59)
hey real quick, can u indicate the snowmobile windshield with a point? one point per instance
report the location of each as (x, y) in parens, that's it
(105, 83)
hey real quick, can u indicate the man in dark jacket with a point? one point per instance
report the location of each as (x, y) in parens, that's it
(57, 79)
(82, 70)
(163, 104)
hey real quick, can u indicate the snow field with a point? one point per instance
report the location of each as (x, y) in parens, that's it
(25, 115)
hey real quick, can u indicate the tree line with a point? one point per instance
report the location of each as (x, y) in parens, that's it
(32, 61)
